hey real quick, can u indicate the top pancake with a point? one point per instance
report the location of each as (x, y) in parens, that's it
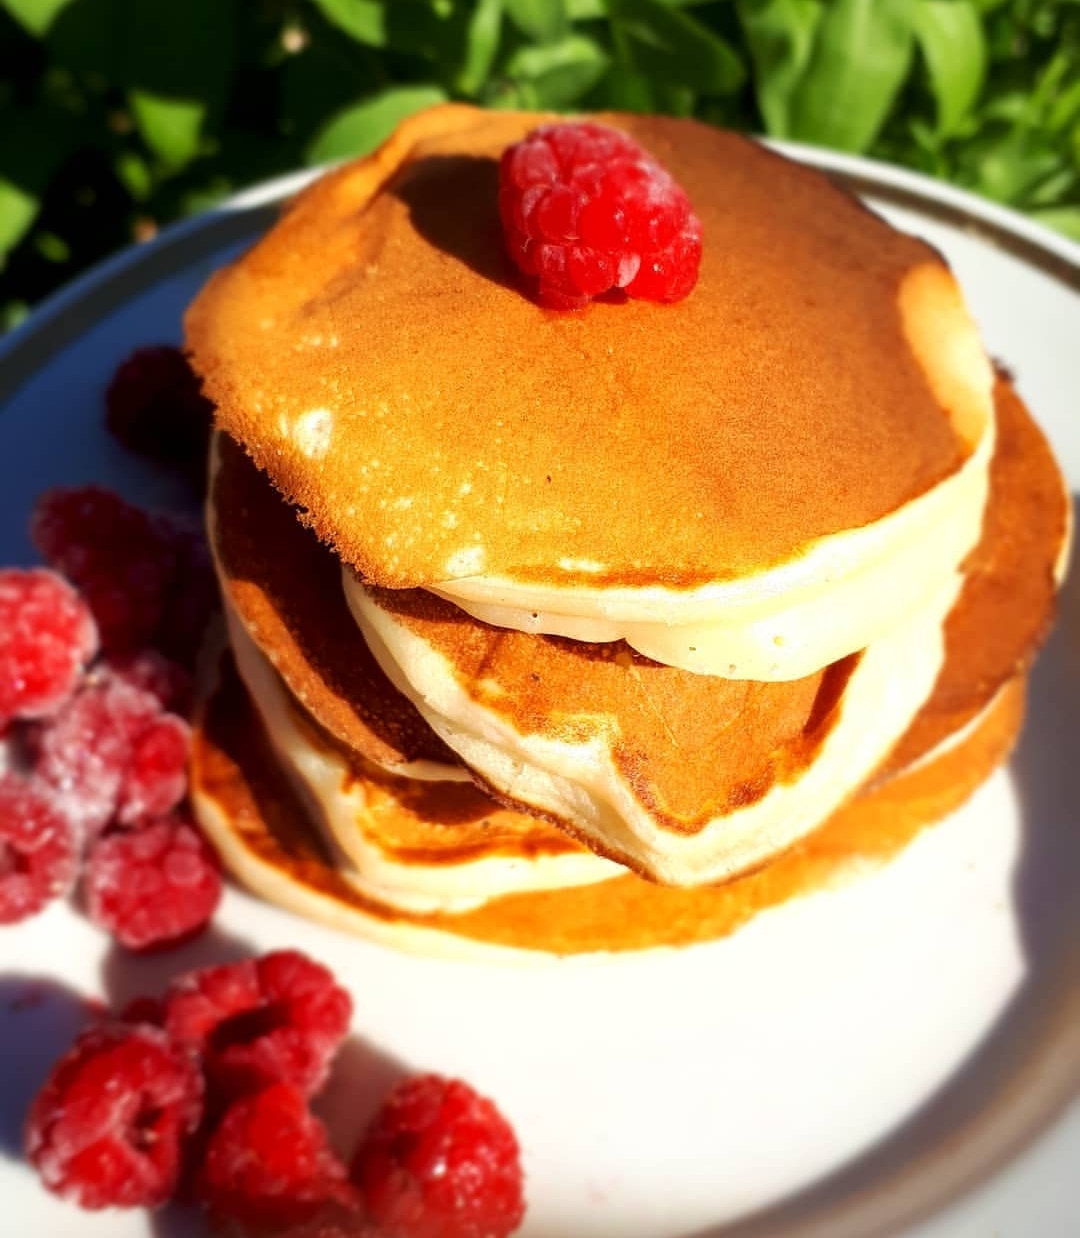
(375, 355)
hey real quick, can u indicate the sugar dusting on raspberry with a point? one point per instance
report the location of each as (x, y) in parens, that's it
(585, 210)
(107, 1129)
(112, 751)
(279, 1017)
(269, 1162)
(440, 1161)
(47, 636)
(153, 886)
(38, 850)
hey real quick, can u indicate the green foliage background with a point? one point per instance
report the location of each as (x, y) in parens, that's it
(118, 116)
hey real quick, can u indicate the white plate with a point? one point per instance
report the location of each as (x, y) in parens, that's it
(902, 1055)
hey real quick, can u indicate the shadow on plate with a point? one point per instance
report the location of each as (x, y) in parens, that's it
(1027, 1068)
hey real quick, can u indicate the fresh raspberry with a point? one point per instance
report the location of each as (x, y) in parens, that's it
(143, 1009)
(269, 1163)
(278, 1017)
(107, 1128)
(440, 1161)
(110, 752)
(150, 671)
(333, 1220)
(116, 554)
(154, 886)
(47, 635)
(585, 210)
(156, 776)
(38, 853)
(155, 407)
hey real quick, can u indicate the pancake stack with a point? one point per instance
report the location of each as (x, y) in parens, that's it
(605, 629)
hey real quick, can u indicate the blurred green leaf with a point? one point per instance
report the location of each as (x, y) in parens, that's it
(36, 16)
(780, 34)
(950, 36)
(861, 56)
(172, 128)
(361, 127)
(17, 211)
(555, 75)
(481, 46)
(179, 59)
(1014, 167)
(363, 20)
(545, 21)
(1065, 219)
(586, 10)
(676, 48)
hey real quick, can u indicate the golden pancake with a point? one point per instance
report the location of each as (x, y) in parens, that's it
(375, 355)
(251, 812)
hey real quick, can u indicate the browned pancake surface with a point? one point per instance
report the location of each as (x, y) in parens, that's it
(286, 588)
(273, 848)
(691, 748)
(778, 403)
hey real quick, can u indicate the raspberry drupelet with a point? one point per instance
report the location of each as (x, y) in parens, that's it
(108, 1127)
(586, 210)
(280, 1017)
(440, 1161)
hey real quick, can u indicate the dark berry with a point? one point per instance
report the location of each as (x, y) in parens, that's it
(90, 753)
(268, 1162)
(440, 1161)
(585, 210)
(116, 554)
(154, 886)
(155, 407)
(276, 1018)
(47, 635)
(108, 1127)
(193, 596)
(38, 850)
(150, 671)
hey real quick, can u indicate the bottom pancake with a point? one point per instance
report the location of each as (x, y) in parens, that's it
(250, 810)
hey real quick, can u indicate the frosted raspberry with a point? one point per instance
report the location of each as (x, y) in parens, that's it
(440, 1161)
(47, 635)
(155, 407)
(91, 753)
(150, 671)
(269, 1163)
(585, 210)
(38, 852)
(107, 1128)
(117, 556)
(278, 1017)
(154, 886)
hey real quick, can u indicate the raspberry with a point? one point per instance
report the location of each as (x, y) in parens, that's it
(156, 776)
(152, 887)
(112, 751)
(155, 407)
(585, 210)
(107, 1128)
(193, 596)
(269, 1162)
(47, 635)
(279, 1017)
(150, 671)
(38, 855)
(440, 1161)
(116, 554)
